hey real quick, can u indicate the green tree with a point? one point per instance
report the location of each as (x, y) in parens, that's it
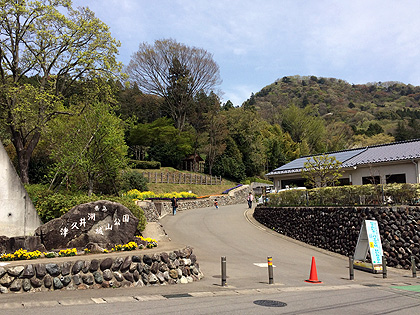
(279, 147)
(228, 105)
(303, 125)
(374, 129)
(161, 141)
(322, 170)
(230, 164)
(363, 140)
(174, 72)
(89, 149)
(246, 129)
(179, 99)
(209, 129)
(57, 45)
(136, 107)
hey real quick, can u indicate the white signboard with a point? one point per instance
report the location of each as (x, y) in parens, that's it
(369, 239)
(375, 245)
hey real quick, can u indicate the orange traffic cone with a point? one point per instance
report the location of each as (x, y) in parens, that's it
(313, 277)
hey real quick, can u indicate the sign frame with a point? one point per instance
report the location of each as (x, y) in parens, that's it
(369, 241)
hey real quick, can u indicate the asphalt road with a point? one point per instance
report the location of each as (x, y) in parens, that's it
(231, 232)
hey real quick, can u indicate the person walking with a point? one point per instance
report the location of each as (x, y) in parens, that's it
(174, 205)
(216, 203)
(250, 199)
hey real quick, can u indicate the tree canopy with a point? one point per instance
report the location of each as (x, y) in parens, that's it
(322, 171)
(175, 72)
(54, 45)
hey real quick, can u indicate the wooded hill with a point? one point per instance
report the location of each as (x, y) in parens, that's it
(388, 108)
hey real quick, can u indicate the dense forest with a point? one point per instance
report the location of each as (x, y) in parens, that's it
(291, 117)
(391, 108)
(294, 116)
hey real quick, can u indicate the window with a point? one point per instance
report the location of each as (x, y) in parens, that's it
(292, 183)
(371, 180)
(343, 181)
(395, 178)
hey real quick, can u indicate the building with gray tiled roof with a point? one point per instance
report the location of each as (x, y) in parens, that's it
(387, 163)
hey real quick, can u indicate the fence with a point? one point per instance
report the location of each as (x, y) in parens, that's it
(182, 178)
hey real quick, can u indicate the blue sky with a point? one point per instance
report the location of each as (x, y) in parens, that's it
(256, 42)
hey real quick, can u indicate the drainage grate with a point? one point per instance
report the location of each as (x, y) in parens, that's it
(270, 303)
(176, 296)
(372, 285)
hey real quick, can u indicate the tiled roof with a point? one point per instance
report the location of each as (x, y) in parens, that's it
(397, 151)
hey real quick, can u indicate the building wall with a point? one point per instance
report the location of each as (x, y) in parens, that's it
(18, 216)
(383, 170)
(355, 175)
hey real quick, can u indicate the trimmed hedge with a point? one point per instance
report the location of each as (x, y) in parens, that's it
(408, 194)
(144, 165)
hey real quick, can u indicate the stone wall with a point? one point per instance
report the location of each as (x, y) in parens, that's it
(174, 267)
(337, 228)
(159, 208)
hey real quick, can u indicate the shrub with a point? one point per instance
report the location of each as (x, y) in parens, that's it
(135, 194)
(130, 179)
(145, 164)
(349, 195)
(250, 180)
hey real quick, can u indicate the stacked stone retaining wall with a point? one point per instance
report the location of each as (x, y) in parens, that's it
(179, 266)
(337, 228)
(159, 208)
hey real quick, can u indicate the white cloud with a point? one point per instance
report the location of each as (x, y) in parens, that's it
(256, 42)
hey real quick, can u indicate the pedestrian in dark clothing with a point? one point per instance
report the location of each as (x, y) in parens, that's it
(174, 205)
(249, 199)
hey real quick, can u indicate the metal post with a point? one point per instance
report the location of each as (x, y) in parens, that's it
(413, 267)
(223, 271)
(384, 271)
(270, 270)
(351, 267)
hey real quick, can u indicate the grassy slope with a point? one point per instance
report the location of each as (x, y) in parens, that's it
(200, 190)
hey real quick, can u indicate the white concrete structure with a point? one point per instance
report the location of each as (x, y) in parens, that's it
(388, 163)
(18, 216)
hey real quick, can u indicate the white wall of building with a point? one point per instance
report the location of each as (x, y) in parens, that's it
(384, 170)
(409, 168)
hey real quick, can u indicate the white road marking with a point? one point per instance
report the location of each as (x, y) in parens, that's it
(114, 299)
(40, 304)
(263, 265)
(201, 294)
(150, 298)
(76, 302)
(98, 300)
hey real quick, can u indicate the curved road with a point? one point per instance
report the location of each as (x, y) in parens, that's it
(232, 232)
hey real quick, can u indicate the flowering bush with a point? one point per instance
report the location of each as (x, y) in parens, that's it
(150, 241)
(50, 254)
(134, 194)
(21, 254)
(126, 247)
(67, 252)
(25, 255)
